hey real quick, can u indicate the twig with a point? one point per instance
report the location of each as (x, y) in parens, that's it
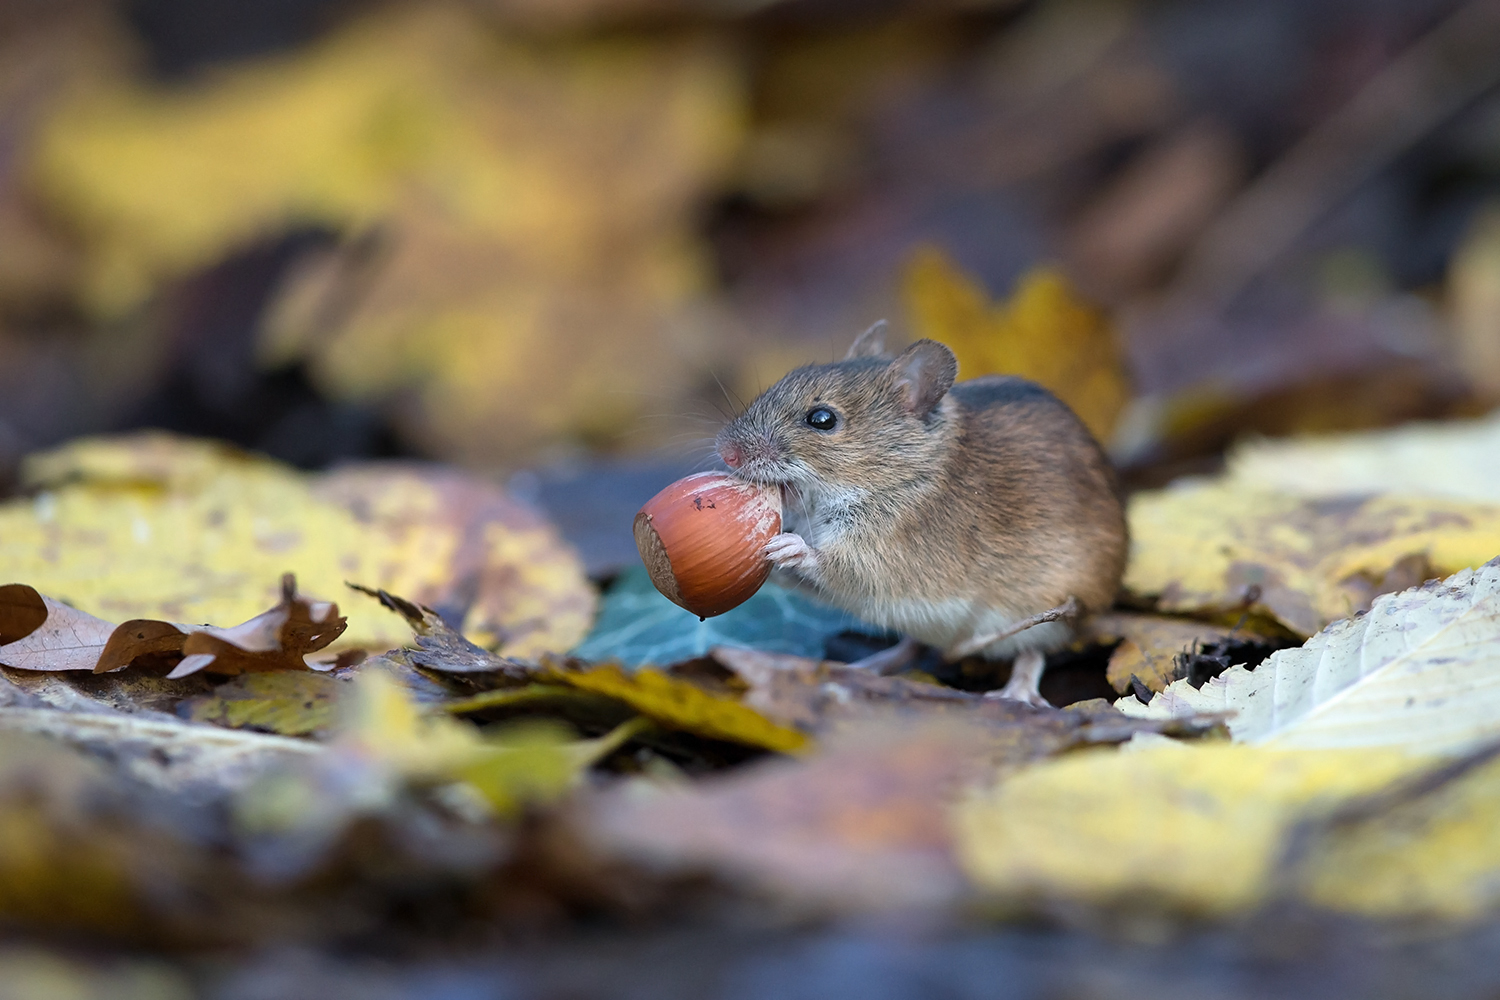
(1068, 609)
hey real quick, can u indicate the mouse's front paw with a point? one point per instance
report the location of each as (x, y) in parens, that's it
(791, 551)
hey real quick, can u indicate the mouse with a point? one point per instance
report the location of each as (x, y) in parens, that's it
(977, 517)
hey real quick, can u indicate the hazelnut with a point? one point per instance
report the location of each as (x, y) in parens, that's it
(703, 540)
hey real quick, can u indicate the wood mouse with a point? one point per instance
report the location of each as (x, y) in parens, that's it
(977, 516)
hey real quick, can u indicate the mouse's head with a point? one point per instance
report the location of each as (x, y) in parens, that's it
(868, 422)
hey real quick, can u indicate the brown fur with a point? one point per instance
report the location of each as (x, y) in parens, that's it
(991, 492)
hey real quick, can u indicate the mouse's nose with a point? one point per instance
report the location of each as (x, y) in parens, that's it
(731, 455)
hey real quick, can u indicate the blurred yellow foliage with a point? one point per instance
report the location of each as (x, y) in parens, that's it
(1202, 829)
(153, 526)
(1200, 547)
(529, 205)
(533, 761)
(1043, 333)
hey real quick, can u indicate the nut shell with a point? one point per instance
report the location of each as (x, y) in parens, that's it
(703, 540)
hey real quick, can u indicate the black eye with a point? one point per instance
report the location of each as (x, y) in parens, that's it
(822, 418)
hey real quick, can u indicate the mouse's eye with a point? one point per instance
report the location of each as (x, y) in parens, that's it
(822, 418)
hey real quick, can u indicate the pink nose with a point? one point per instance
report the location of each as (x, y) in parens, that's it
(731, 455)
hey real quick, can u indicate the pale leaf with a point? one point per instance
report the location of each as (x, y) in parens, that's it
(1420, 672)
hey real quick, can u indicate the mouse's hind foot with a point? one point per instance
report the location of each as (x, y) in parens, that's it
(1025, 680)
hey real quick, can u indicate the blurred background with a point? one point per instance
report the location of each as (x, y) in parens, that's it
(545, 234)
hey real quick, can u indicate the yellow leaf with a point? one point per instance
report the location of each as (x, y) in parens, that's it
(381, 724)
(533, 761)
(157, 527)
(1195, 827)
(1453, 459)
(1043, 333)
(1204, 547)
(679, 704)
(1204, 829)
(1435, 854)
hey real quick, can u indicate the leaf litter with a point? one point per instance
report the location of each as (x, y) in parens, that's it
(279, 639)
(156, 527)
(841, 791)
(1417, 672)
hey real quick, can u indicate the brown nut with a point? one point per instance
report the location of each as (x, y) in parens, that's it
(703, 540)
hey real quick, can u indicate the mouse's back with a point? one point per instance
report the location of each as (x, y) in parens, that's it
(1045, 487)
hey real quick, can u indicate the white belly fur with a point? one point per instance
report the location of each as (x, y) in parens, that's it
(945, 624)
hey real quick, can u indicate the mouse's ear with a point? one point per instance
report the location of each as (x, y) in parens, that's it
(924, 373)
(870, 344)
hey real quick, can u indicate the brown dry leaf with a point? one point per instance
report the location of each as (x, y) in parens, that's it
(158, 527)
(69, 639)
(1208, 547)
(861, 826)
(65, 639)
(1043, 333)
(1149, 645)
(280, 639)
(439, 647)
(521, 214)
(22, 612)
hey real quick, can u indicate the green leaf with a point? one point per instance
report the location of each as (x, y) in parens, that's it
(637, 625)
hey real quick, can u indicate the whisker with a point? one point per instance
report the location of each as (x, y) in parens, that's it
(735, 402)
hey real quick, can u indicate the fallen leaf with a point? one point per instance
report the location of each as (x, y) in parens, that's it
(860, 826)
(1043, 333)
(69, 639)
(1454, 460)
(536, 761)
(66, 639)
(508, 578)
(137, 691)
(1148, 646)
(826, 698)
(280, 639)
(678, 704)
(1417, 672)
(158, 527)
(1195, 828)
(1209, 547)
(442, 649)
(292, 704)
(637, 625)
(1428, 847)
(22, 612)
